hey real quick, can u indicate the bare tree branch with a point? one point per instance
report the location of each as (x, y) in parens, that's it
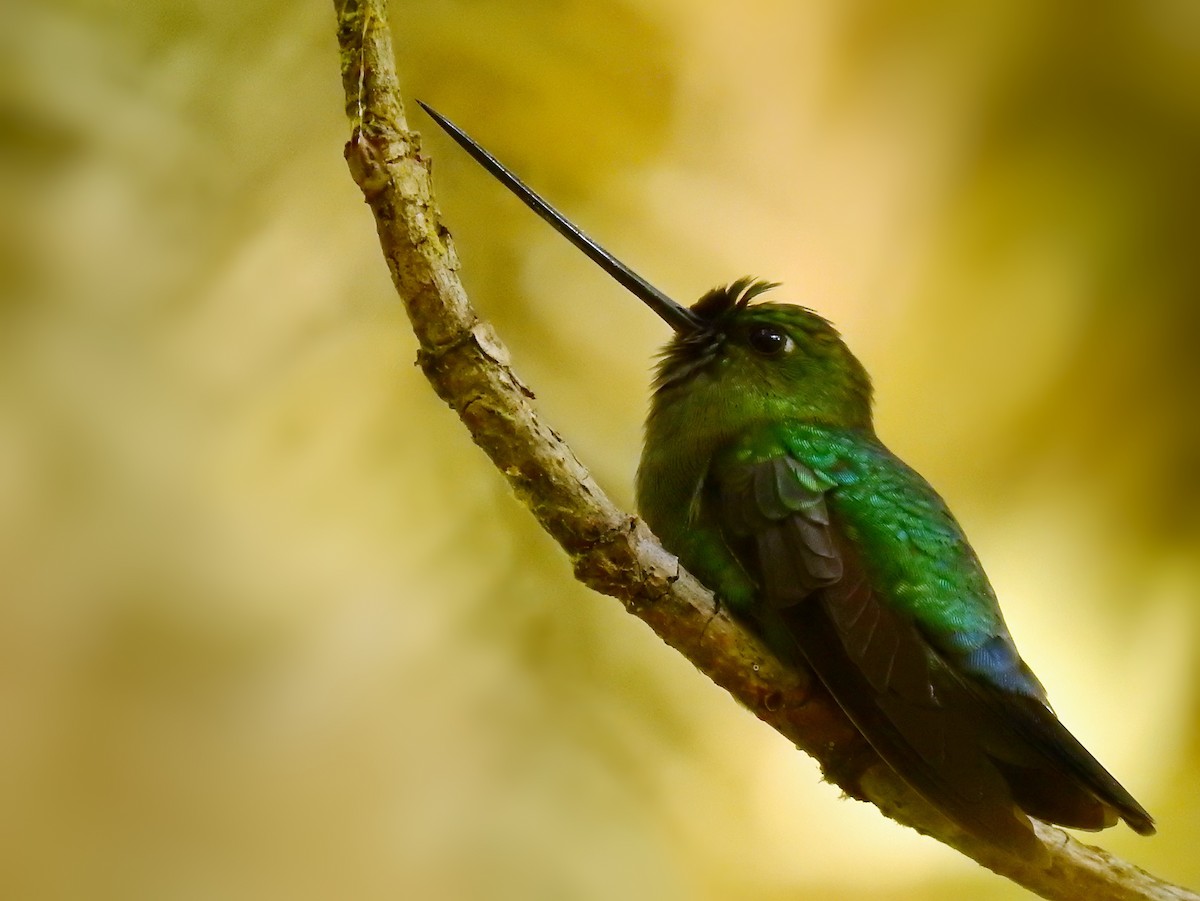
(612, 551)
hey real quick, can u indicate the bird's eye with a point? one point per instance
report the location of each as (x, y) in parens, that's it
(769, 341)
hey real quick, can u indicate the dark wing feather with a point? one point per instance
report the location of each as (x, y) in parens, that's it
(1053, 776)
(908, 705)
(975, 751)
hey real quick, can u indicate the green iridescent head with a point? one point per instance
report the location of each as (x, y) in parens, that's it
(778, 358)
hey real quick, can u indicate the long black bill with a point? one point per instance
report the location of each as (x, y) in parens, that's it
(680, 318)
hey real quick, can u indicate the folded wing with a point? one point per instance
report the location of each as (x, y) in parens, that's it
(977, 751)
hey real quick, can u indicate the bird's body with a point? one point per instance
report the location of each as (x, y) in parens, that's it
(714, 427)
(762, 472)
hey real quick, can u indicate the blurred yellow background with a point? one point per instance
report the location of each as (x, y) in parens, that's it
(270, 626)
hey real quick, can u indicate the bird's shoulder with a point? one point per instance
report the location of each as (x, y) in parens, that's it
(910, 546)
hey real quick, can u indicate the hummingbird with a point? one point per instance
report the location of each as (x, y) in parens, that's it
(762, 472)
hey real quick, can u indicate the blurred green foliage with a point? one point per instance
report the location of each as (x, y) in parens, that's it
(269, 625)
